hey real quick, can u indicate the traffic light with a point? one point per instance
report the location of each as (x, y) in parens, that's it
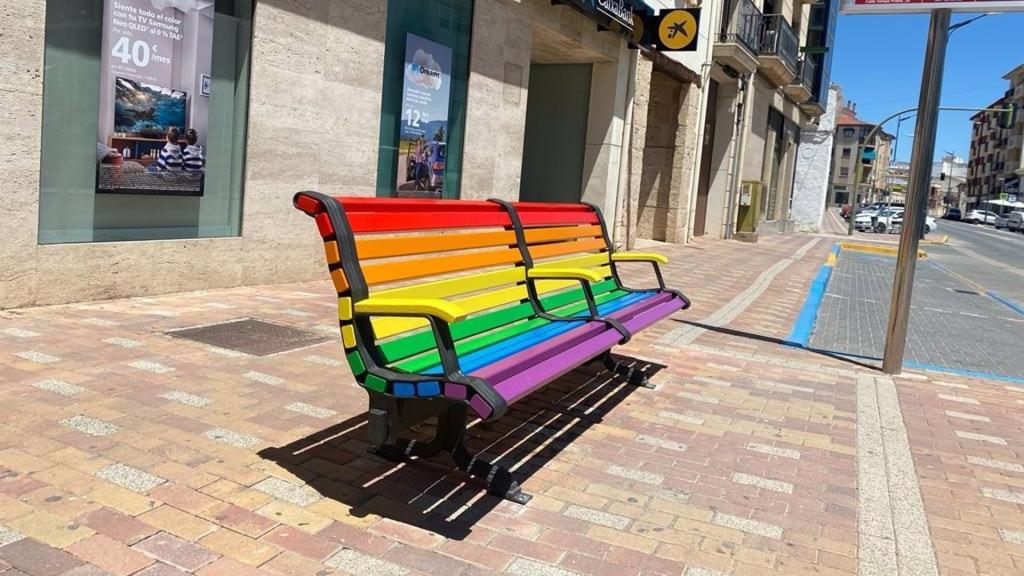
(1008, 117)
(867, 157)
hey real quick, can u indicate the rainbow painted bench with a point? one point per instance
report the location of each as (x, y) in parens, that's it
(447, 306)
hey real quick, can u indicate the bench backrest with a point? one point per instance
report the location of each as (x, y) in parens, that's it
(463, 251)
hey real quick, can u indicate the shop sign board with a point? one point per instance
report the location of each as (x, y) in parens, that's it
(677, 30)
(423, 132)
(920, 6)
(1012, 185)
(620, 11)
(152, 129)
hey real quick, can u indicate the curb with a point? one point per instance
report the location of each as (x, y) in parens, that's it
(940, 242)
(876, 249)
(1006, 301)
(800, 335)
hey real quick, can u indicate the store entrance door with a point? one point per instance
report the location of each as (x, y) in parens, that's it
(556, 133)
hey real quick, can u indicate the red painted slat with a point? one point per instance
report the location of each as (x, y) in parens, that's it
(364, 222)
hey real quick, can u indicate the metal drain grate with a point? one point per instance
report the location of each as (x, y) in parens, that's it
(252, 336)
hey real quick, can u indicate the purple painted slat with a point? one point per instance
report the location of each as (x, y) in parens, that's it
(537, 375)
(481, 406)
(505, 367)
(525, 382)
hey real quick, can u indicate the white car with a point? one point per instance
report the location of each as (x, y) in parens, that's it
(885, 220)
(1015, 222)
(930, 224)
(1001, 221)
(980, 217)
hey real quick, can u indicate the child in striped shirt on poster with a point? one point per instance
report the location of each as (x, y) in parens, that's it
(192, 158)
(170, 155)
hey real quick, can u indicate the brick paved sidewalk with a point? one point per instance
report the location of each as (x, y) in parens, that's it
(127, 451)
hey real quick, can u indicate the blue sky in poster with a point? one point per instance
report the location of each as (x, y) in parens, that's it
(427, 85)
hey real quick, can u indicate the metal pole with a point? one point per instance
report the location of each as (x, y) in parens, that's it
(917, 196)
(858, 171)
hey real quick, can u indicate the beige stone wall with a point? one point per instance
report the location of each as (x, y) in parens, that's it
(315, 85)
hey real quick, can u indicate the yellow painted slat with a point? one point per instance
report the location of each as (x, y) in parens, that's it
(455, 286)
(348, 336)
(387, 327)
(345, 308)
(587, 261)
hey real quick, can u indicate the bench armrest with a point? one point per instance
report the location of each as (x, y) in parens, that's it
(450, 312)
(639, 257)
(565, 274)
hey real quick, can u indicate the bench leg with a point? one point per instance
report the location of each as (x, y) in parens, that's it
(450, 438)
(634, 376)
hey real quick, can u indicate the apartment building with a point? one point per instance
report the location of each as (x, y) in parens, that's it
(763, 91)
(874, 185)
(995, 164)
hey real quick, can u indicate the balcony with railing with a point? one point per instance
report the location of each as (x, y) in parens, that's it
(802, 88)
(779, 54)
(738, 42)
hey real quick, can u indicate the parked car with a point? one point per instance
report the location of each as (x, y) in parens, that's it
(875, 221)
(953, 214)
(930, 224)
(436, 154)
(1015, 221)
(980, 217)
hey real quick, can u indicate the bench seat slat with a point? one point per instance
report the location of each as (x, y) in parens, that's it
(407, 346)
(492, 345)
(421, 267)
(369, 248)
(525, 378)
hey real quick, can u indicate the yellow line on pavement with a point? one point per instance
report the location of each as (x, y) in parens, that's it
(875, 249)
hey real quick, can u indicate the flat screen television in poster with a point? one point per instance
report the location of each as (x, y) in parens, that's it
(423, 131)
(153, 117)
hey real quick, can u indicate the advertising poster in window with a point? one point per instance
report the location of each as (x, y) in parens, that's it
(154, 97)
(423, 136)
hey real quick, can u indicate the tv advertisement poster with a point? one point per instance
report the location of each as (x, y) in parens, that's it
(153, 114)
(423, 135)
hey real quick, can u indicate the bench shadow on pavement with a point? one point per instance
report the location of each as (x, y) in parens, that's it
(849, 359)
(432, 494)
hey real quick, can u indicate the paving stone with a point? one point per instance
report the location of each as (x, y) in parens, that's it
(635, 474)
(526, 567)
(701, 571)
(58, 387)
(19, 333)
(38, 559)
(960, 399)
(964, 416)
(123, 342)
(322, 360)
(773, 450)
(660, 442)
(355, 562)
(179, 553)
(37, 357)
(110, 555)
(264, 378)
(681, 417)
(1004, 495)
(765, 483)
(225, 352)
(101, 322)
(697, 397)
(232, 438)
(282, 490)
(129, 477)
(597, 517)
(747, 525)
(309, 410)
(159, 569)
(980, 437)
(90, 426)
(118, 526)
(186, 398)
(1001, 465)
(7, 536)
(154, 367)
(1012, 536)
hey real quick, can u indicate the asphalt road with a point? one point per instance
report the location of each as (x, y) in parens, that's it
(990, 259)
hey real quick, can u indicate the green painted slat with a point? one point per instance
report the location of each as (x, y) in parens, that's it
(376, 383)
(421, 363)
(420, 342)
(356, 362)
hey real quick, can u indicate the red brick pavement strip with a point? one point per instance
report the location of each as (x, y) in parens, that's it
(742, 461)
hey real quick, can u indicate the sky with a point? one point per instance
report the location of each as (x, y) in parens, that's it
(878, 61)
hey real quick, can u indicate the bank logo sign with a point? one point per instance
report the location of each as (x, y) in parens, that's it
(620, 11)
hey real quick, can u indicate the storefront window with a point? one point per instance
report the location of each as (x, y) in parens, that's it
(144, 119)
(423, 110)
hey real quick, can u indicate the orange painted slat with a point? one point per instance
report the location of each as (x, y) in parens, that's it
(422, 267)
(537, 235)
(411, 245)
(562, 248)
(331, 252)
(340, 282)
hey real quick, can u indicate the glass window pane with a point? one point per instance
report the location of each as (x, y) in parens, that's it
(144, 119)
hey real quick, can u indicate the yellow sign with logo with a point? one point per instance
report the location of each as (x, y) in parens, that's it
(678, 30)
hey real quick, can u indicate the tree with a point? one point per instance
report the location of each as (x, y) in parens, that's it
(439, 135)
